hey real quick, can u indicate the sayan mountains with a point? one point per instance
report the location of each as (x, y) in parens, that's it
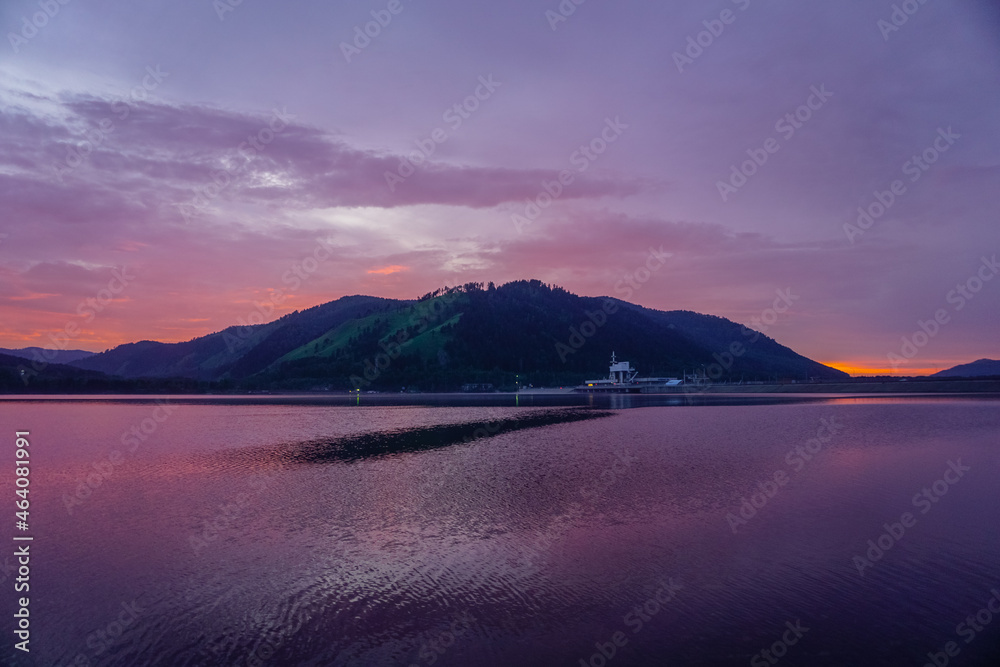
(522, 332)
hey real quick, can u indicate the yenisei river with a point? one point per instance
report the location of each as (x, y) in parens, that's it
(621, 531)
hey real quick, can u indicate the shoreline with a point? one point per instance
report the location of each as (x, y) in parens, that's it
(874, 387)
(835, 389)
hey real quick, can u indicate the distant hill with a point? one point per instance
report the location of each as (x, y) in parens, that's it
(980, 368)
(235, 352)
(524, 331)
(18, 374)
(24, 376)
(51, 356)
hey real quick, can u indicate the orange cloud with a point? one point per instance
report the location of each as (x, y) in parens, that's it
(387, 270)
(31, 297)
(130, 246)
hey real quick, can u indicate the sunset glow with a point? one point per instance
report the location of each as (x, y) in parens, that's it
(387, 270)
(212, 173)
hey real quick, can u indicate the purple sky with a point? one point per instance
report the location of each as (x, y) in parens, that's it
(116, 118)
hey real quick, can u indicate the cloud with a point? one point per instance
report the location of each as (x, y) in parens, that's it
(86, 186)
(387, 270)
(165, 156)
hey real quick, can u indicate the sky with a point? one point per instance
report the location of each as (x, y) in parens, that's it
(826, 172)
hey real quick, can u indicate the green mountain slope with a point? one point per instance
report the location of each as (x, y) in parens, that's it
(236, 352)
(524, 331)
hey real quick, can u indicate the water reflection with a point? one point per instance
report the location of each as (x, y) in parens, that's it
(339, 535)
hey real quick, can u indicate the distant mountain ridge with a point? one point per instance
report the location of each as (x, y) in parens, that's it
(48, 355)
(978, 368)
(519, 333)
(235, 352)
(17, 373)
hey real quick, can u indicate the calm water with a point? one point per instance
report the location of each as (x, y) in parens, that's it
(288, 533)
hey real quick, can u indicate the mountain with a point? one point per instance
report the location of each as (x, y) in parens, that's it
(980, 368)
(28, 376)
(17, 374)
(522, 332)
(235, 352)
(45, 355)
